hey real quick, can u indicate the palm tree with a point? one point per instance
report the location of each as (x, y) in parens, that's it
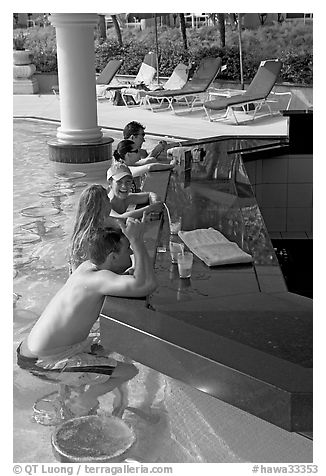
(221, 25)
(220, 17)
(212, 17)
(117, 29)
(102, 27)
(183, 30)
(262, 17)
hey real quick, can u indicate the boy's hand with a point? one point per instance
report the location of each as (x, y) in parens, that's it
(133, 229)
(161, 146)
(153, 197)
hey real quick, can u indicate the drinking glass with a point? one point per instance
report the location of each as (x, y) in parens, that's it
(175, 225)
(175, 249)
(185, 261)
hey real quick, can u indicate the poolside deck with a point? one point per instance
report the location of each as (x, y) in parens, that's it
(190, 125)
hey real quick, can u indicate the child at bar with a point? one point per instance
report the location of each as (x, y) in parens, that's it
(128, 153)
(136, 132)
(59, 347)
(123, 201)
(93, 212)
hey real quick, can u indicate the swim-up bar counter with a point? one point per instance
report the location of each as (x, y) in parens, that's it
(233, 332)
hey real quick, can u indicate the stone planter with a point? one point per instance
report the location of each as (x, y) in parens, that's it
(21, 57)
(23, 71)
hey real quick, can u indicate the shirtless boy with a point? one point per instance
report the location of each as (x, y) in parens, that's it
(59, 347)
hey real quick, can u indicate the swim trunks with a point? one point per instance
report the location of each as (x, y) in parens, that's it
(78, 365)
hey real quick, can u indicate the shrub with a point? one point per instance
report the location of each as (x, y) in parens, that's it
(297, 67)
(42, 43)
(170, 55)
(106, 50)
(133, 56)
(290, 41)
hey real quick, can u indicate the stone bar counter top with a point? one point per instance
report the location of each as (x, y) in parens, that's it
(234, 332)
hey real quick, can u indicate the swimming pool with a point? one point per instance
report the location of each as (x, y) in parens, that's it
(43, 213)
(173, 422)
(44, 209)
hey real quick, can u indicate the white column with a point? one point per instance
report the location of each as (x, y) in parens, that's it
(76, 74)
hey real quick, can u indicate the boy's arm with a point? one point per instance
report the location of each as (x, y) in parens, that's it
(158, 166)
(139, 170)
(144, 161)
(139, 212)
(143, 281)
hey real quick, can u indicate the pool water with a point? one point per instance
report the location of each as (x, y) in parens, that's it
(44, 208)
(43, 213)
(173, 422)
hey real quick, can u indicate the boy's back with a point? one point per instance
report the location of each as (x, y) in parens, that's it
(70, 315)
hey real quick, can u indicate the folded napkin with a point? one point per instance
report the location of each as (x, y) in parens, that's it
(213, 248)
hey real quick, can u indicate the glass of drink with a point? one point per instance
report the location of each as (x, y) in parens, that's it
(185, 261)
(175, 225)
(142, 181)
(175, 249)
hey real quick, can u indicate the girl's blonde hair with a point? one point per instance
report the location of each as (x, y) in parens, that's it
(90, 217)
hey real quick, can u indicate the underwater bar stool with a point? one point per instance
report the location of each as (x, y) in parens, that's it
(89, 438)
(94, 439)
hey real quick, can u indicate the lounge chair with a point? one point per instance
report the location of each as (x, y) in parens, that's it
(106, 76)
(258, 94)
(145, 76)
(147, 70)
(177, 80)
(191, 92)
(178, 77)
